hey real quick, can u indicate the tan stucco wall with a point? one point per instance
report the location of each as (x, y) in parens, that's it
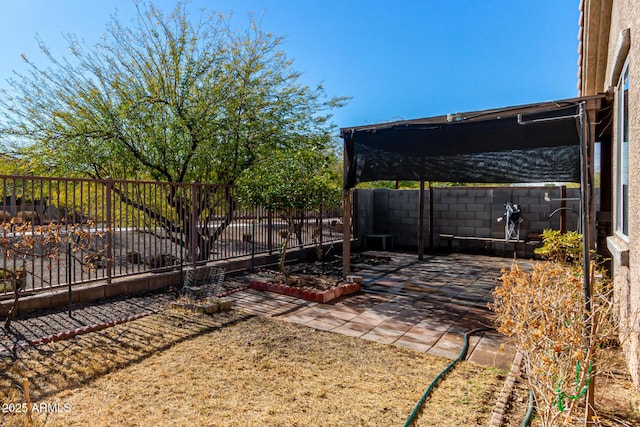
(626, 14)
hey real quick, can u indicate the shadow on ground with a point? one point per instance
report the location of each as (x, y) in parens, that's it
(67, 364)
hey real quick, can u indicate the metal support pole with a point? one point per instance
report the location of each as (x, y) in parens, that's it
(346, 217)
(270, 232)
(69, 274)
(253, 245)
(421, 223)
(430, 216)
(194, 225)
(586, 198)
(563, 212)
(109, 232)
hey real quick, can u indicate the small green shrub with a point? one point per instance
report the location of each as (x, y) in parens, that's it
(561, 247)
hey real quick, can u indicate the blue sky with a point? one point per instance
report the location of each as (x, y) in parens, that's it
(396, 59)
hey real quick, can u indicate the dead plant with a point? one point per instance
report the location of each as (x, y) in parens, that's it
(562, 343)
(26, 243)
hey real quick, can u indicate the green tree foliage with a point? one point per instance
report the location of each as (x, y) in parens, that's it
(168, 98)
(175, 98)
(287, 182)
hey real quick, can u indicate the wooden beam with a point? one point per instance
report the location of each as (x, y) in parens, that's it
(479, 239)
(430, 216)
(346, 232)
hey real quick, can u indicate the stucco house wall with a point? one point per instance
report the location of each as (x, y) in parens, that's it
(611, 19)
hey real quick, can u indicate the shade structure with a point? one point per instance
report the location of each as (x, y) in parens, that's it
(522, 144)
(534, 143)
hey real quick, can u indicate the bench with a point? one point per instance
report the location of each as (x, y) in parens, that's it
(383, 237)
(523, 247)
(481, 239)
(451, 237)
(203, 282)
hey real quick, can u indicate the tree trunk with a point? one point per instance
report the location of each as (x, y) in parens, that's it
(181, 232)
(283, 256)
(291, 229)
(18, 281)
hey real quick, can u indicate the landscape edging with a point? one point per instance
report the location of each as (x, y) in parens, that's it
(307, 294)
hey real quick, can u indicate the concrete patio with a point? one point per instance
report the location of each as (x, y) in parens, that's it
(424, 305)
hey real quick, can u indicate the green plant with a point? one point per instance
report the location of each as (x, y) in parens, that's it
(561, 247)
(287, 182)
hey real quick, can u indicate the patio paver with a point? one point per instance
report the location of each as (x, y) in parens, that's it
(423, 305)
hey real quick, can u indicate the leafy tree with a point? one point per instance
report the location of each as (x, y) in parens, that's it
(167, 98)
(288, 182)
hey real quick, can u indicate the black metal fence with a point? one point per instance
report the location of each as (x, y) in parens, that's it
(64, 230)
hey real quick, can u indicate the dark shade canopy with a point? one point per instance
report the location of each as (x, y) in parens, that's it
(522, 144)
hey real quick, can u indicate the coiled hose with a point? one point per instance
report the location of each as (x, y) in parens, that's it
(460, 357)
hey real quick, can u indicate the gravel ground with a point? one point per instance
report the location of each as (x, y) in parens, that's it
(30, 328)
(37, 325)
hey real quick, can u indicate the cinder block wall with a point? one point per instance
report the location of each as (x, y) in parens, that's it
(461, 211)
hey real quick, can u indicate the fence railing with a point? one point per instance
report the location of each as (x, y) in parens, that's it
(135, 227)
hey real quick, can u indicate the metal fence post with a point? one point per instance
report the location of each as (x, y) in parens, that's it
(321, 228)
(194, 224)
(270, 231)
(109, 218)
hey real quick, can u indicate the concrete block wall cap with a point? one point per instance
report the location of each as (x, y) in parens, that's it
(354, 278)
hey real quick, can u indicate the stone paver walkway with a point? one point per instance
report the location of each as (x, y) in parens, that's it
(423, 305)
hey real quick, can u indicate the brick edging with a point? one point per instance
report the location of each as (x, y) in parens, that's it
(70, 333)
(500, 408)
(306, 294)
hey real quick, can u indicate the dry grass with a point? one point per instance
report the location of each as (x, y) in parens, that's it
(232, 369)
(237, 370)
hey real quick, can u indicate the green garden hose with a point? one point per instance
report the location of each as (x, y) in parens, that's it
(460, 357)
(529, 414)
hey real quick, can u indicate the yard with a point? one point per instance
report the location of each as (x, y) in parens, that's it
(235, 369)
(240, 368)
